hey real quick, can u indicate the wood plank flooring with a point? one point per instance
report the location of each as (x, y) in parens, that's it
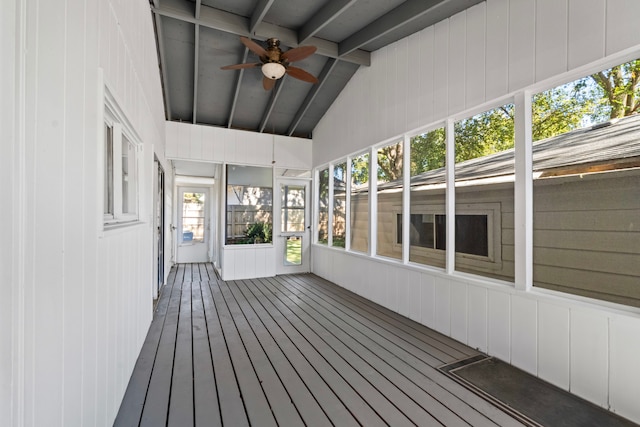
(291, 350)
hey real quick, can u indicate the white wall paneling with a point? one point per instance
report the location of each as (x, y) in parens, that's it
(477, 335)
(589, 341)
(443, 305)
(413, 295)
(622, 19)
(486, 52)
(586, 35)
(498, 325)
(11, 281)
(81, 299)
(459, 310)
(205, 143)
(457, 53)
(248, 261)
(475, 54)
(524, 334)
(497, 62)
(551, 38)
(521, 43)
(624, 381)
(553, 344)
(440, 69)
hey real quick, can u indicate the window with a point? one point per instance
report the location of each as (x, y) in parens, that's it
(193, 217)
(484, 174)
(323, 206)
(249, 205)
(339, 204)
(359, 203)
(429, 230)
(389, 190)
(292, 210)
(586, 181)
(427, 188)
(120, 176)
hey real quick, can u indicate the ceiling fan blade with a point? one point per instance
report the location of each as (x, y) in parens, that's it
(240, 66)
(301, 74)
(298, 53)
(268, 83)
(253, 46)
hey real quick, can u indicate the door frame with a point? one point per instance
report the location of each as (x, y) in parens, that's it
(208, 215)
(159, 221)
(279, 237)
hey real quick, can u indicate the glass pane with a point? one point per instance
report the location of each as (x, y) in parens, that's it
(323, 206)
(484, 172)
(292, 210)
(128, 177)
(293, 251)
(359, 208)
(193, 217)
(389, 199)
(108, 170)
(586, 186)
(426, 198)
(339, 204)
(249, 205)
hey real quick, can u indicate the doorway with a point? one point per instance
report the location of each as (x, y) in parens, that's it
(193, 224)
(292, 225)
(158, 227)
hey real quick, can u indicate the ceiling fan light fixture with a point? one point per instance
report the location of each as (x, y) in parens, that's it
(273, 70)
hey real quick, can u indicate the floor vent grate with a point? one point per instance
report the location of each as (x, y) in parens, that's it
(530, 400)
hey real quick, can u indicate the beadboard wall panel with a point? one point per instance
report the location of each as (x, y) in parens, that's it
(553, 344)
(478, 55)
(9, 172)
(551, 38)
(80, 297)
(186, 141)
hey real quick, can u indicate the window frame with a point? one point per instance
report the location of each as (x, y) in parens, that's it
(112, 168)
(494, 238)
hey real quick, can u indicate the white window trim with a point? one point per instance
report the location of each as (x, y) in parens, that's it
(114, 117)
(494, 239)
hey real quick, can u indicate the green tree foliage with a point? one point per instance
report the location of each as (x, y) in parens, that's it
(427, 151)
(560, 110)
(484, 134)
(390, 162)
(618, 90)
(360, 169)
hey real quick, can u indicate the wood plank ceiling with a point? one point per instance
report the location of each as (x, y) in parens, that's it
(197, 37)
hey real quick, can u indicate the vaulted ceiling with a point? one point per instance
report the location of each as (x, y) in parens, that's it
(195, 38)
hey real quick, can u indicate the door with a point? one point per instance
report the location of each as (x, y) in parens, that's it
(158, 224)
(292, 225)
(193, 224)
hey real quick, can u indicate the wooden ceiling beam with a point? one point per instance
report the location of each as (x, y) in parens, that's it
(231, 23)
(322, 18)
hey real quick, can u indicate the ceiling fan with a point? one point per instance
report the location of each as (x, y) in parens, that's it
(275, 63)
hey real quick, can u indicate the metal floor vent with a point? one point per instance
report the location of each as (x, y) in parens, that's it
(530, 400)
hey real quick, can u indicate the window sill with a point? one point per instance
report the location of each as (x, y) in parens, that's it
(122, 226)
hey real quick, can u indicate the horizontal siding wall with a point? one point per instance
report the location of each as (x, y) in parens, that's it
(219, 145)
(81, 298)
(464, 63)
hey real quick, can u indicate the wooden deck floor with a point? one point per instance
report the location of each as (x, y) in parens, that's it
(291, 351)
